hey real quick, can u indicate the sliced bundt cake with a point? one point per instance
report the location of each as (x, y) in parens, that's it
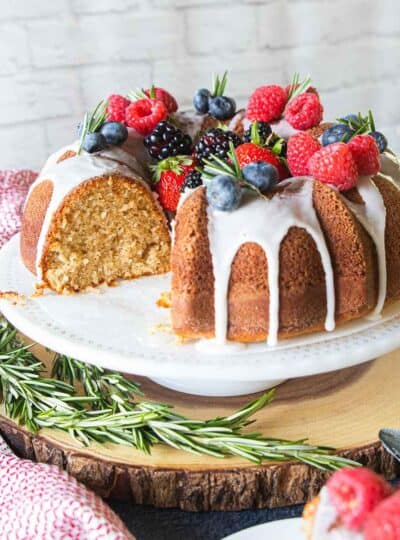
(91, 219)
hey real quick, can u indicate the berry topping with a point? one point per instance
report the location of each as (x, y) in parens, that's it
(355, 493)
(114, 132)
(94, 142)
(266, 103)
(200, 100)
(215, 103)
(116, 106)
(366, 154)
(337, 133)
(380, 139)
(144, 114)
(215, 142)
(164, 96)
(192, 181)
(249, 153)
(304, 111)
(170, 175)
(224, 193)
(384, 522)
(222, 107)
(352, 119)
(261, 175)
(334, 164)
(263, 131)
(167, 140)
(300, 148)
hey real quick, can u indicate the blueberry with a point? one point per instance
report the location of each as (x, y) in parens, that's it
(200, 100)
(337, 133)
(380, 139)
(222, 107)
(353, 118)
(94, 142)
(261, 175)
(114, 132)
(224, 193)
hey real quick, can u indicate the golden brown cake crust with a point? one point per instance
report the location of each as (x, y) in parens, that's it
(32, 221)
(302, 279)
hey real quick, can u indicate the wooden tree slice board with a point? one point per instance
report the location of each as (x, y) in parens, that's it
(344, 409)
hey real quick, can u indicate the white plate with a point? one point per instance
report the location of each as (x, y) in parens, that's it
(122, 328)
(285, 529)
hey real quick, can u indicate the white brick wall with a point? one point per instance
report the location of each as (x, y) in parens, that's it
(59, 57)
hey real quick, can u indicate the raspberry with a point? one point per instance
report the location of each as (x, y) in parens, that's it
(116, 108)
(334, 164)
(250, 153)
(304, 111)
(355, 493)
(144, 114)
(164, 96)
(366, 154)
(266, 103)
(301, 147)
(171, 174)
(384, 522)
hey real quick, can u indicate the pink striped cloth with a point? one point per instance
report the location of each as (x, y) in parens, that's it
(39, 501)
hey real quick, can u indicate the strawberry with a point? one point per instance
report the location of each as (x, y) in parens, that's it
(249, 153)
(170, 175)
(266, 103)
(334, 164)
(366, 154)
(304, 111)
(164, 96)
(384, 522)
(355, 493)
(300, 148)
(116, 106)
(144, 114)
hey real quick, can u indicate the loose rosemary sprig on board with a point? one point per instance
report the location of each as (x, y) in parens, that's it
(107, 413)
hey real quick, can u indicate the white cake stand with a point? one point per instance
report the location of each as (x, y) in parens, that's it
(122, 328)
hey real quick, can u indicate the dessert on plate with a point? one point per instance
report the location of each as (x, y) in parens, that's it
(282, 223)
(355, 504)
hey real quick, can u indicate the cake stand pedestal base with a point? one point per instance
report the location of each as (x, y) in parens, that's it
(344, 409)
(217, 388)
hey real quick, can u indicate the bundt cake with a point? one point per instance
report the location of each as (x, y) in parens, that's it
(284, 224)
(303, 260)
(91, 219)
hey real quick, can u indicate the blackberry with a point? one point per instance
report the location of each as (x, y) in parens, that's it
(215, 141)
(264, 131)
(167, 140)
(192, 180)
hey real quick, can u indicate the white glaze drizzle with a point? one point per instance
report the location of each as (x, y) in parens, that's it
(68, 175)
(266, 223)
(372, 216)
(390, 166)
(190, 122)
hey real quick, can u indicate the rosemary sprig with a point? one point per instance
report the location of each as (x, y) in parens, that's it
(107, 412)
(219, 84)
(139, 93)
(92, 122)
(297, 87)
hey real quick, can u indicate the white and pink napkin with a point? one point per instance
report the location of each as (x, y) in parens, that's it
(40, 501)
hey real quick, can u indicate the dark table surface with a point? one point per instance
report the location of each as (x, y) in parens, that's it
(154, 524)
